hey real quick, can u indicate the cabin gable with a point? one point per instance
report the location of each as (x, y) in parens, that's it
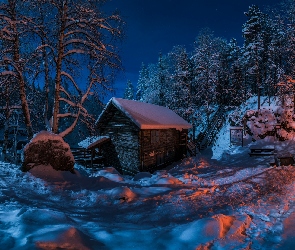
(123, 149)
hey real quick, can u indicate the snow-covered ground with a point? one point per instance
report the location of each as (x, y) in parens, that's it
(200, 202)
(223, 199)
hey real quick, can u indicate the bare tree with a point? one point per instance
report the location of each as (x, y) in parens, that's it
(83, 42)
(13, 27)
(71, 41)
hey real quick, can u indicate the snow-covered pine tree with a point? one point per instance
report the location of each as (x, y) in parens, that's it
(142, 83)
(289, 18)
(151, 93)
(277, 55)
(156, 87)
(161, 81)
(222, 66)
(129, 91)
(204, 58)
(237, 89)
(180, 91)
(257, 34)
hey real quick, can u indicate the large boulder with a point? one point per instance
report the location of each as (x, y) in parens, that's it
(48, 149)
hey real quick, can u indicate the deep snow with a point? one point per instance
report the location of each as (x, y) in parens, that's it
(233, 201)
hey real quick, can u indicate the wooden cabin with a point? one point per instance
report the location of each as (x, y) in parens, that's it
(143, 136)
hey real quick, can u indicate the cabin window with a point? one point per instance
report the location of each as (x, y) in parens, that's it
(155, 136)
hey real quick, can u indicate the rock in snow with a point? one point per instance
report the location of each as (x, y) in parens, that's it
(48, 149)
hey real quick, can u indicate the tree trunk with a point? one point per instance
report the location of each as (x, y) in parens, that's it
(7, 116)
(21, 82)
(46, 107)
(25, 107)
(59, 70)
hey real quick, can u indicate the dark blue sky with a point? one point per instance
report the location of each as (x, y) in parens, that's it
(157, 25)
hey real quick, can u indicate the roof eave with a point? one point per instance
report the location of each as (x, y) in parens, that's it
(171, 126)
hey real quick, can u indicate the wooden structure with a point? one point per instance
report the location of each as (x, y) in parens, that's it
(143, 137)
(286, 160)
(236, 135)
(261, 151)
(90, 155)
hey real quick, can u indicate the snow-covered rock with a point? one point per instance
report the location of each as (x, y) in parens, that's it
(48, 149)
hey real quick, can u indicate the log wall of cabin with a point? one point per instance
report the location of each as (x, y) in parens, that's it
(123, 152)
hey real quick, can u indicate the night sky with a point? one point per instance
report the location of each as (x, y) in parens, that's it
(158, 25)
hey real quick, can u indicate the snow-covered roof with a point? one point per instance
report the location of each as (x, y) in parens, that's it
(98, 142)
(148, 116)
(92, 141)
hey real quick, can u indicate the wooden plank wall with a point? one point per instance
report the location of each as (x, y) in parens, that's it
(168, 146)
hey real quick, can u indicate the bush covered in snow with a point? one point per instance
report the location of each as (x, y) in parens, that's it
(48, 149)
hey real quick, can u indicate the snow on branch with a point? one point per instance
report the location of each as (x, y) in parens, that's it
(85, 43)
(67, 115)
(83, 109)
(65, 92)
(75, 51)
(8, 73)
(71, 128)
(72, 104)
(41, 47)
(87, 34)
(63, 73)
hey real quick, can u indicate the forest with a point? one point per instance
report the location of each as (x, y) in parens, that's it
(58, 59)
(223, 73)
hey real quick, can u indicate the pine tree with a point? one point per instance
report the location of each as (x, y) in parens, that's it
(288, 35)
(180, 91)
(157, 83)
(257, 33)
(277, 56)
(142, 83)
(222, 66)
(162, 81)
(129, 91)
(206, 65)
(237, 86)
